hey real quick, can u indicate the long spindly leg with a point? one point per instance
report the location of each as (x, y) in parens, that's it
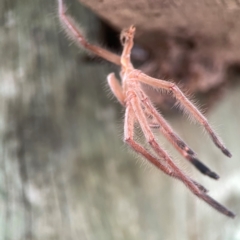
(129, 138)
(177, 142)
(129, 129)
(77, 35)
(185, 102)
(136, 105)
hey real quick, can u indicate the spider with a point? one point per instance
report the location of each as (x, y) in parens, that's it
(140, 110)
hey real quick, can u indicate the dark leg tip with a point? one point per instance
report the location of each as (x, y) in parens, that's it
(231, 214)
(226, 152)
(212, 175)
(217, 206)
(204, 169)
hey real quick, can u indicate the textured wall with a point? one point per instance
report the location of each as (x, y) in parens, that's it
(193, 43)
(64, 173)
(217, 19)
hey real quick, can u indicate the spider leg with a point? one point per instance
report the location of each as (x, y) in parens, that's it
(128, 138)
(176, 141)
(76, 34)
(151, 121)
(186, 103)
(129, 129)
(186, 180)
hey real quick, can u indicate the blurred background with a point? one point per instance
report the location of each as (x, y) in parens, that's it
(65, 172)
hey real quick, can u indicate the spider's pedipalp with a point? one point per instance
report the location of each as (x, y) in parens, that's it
(116, 88)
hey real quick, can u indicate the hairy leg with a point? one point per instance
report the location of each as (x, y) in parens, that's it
(129, 138)
(78, 37)
(185, 103)
(136, 105)
(176, 141)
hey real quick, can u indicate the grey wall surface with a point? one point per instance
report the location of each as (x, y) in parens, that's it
(64, 170)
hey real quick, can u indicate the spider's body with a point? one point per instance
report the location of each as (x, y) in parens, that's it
(139, 110)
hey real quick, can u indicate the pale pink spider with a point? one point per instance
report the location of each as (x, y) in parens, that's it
(139, 110)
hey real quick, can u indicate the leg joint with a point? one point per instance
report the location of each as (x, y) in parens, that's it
(173, 88)
(152, 141)
(128, 140)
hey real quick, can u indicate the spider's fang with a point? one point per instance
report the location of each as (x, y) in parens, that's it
(204, 169)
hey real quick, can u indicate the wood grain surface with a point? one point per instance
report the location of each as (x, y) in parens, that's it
(64, 170)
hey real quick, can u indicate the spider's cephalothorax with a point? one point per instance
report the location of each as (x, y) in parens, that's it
(139, 110)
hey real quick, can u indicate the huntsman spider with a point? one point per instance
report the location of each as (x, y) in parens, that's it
(140, 110)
